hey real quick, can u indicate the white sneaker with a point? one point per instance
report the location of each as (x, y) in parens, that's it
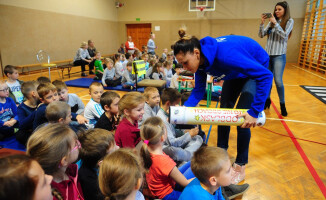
(238, 173)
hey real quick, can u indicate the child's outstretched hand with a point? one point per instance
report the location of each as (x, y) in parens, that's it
(10, 123)
(81, 119)
(194, 131)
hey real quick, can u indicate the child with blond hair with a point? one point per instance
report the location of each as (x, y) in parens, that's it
(131, 107)
(109, 78)
(152, 104)
(48, 93)
(56, 148)
(93, 109)
(162, 173)
(213, 170)
(121, 176)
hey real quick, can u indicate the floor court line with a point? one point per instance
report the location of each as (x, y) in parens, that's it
(309, 72)
(297, 121)
(306, 160)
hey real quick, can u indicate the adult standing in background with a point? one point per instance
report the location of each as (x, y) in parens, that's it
(151, 44)
(130, 46)
(82, 57)
(91, 51)
(278, 31)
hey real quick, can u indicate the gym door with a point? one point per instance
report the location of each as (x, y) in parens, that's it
(139, 33)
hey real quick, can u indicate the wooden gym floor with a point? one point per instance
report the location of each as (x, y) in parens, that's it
(279, 167)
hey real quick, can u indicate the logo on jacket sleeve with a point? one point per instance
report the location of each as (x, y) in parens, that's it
(221, 39)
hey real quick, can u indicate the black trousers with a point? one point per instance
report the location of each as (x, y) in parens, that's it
(82, 63)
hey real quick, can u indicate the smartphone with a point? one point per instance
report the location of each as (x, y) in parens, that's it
(268, 15)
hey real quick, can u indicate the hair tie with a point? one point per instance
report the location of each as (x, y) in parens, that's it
(146, 142)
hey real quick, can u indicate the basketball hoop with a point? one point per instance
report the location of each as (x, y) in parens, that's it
(201, 11)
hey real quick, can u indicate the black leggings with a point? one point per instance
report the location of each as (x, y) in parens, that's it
(113, 83)
(82, 63)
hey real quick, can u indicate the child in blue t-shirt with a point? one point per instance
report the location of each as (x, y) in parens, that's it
(212, 168)
(8, 112)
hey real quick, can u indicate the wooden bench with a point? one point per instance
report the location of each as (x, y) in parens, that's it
(61, 64)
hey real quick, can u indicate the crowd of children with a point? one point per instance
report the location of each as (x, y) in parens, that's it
(58, 130)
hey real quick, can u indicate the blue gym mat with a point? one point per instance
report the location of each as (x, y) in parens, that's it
(12, 143)
(85, 83)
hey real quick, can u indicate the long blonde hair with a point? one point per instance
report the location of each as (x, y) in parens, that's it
(119, 174)
(49, 144)
(151, 131)
(130, 101)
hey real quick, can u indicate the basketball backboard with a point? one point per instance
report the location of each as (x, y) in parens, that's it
(201, 5)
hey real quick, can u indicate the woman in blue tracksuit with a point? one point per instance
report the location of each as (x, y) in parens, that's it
(243, 64)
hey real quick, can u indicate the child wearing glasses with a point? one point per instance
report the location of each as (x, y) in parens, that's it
(56, 147)
(8, 112)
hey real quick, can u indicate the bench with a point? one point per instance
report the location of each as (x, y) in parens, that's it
(60, 64)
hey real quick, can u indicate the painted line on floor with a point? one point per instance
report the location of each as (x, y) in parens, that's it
(309, 72)
(297, 121)
(311, 168)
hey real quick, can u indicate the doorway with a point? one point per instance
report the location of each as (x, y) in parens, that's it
(139, 34)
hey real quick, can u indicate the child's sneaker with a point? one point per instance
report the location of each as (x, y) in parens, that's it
(239, 173)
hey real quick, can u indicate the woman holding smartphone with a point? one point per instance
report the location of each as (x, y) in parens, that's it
(278, 31)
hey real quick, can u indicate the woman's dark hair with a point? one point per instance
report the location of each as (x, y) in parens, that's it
(186, 43)
(286, 15)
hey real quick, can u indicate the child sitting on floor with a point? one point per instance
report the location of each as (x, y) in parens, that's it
(109, 78)
(110, 118)
(93, 109)
(162, 173)
(58, 112)
(48, 93)
(121, 176)
(8, 112)
(95, 143)
(152, 104)
(76, 104)
(129, 79)
(168, 71)
(189, 141)
(98, 66)
(14, 84)
(212, 168)
(56, 148)
(158, 72)
(131, 107)
(26, 111)
(152, 62)
(43, 79)
(174, 80)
